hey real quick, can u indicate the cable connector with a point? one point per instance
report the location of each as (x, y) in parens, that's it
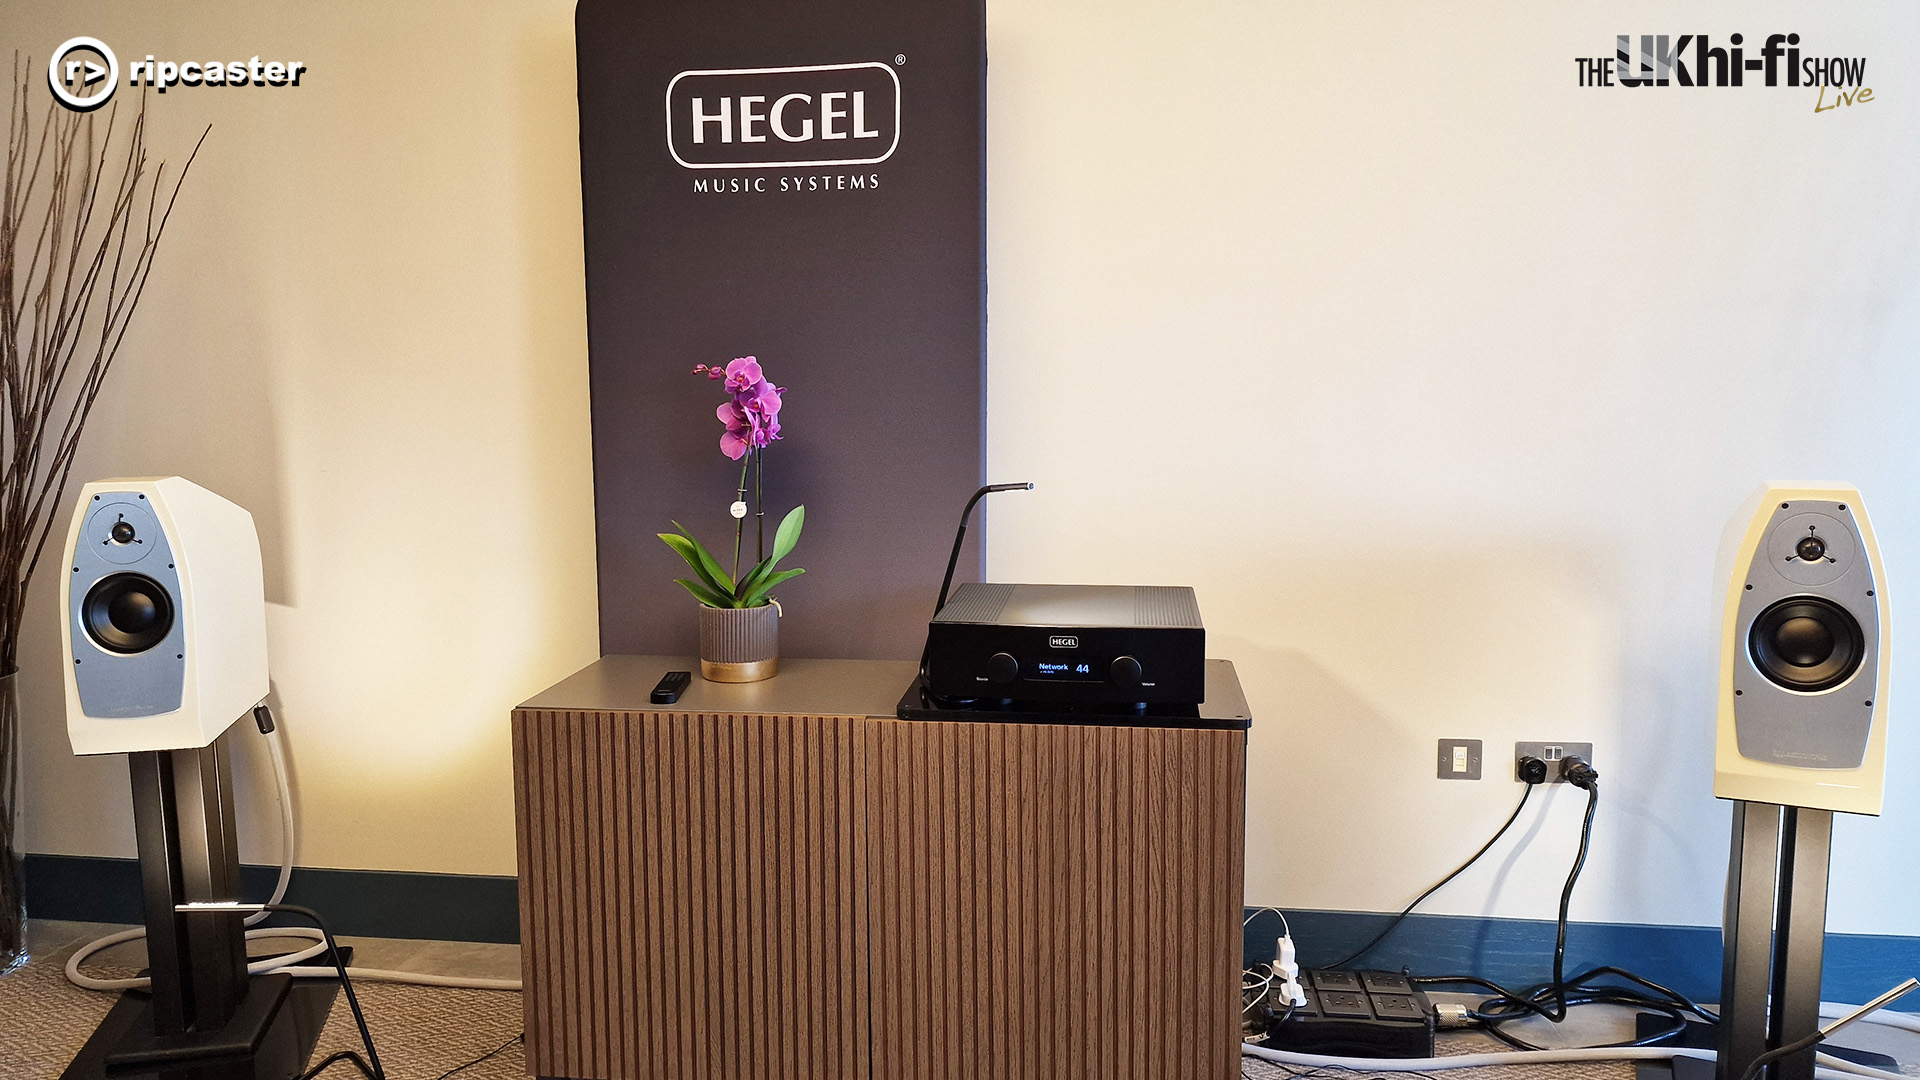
(1577, 772)
(263, 718)
(1448, 1014)
(1287, 965)
(1532, 770)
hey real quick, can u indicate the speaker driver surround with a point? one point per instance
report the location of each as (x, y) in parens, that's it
(1807, 643)
(127, 613)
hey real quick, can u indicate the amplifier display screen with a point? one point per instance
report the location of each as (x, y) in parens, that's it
(1075, 670)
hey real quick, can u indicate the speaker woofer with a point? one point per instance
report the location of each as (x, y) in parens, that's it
(127, 613)
(1807, 643)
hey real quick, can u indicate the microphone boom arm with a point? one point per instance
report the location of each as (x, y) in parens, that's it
(961, 536)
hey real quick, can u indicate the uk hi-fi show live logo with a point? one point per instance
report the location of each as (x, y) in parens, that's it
(782, 129)
(1697, 60)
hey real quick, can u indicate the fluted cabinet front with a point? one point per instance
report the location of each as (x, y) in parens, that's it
(693, 897)
(777, 896)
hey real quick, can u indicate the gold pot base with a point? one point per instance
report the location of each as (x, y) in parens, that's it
(752, 671)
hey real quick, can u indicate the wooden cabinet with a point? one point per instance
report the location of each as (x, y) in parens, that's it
(781, 880)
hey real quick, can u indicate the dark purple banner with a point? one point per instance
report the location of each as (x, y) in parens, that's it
(802, 183)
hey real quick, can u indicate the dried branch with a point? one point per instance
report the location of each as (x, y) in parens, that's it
(72, 271)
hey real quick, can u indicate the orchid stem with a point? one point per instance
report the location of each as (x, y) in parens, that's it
(739, 523)
(759, 513)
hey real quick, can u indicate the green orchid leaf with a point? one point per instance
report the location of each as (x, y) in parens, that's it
(759, 595)
(703, 594)
(688, 551)
(788, 534)
(754, 577)
(703, 563)
(784, 539)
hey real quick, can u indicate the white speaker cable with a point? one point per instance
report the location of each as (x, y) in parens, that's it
(1527, 1057)
(1854, 1068)
(288, 963)
(283, 789)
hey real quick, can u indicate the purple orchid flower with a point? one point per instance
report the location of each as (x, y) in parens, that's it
(752, 416)
(743, 375)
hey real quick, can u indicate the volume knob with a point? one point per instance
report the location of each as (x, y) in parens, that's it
(1002, 667)
(1125, 671)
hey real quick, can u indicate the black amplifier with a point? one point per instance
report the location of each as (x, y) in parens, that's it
(1071, 644)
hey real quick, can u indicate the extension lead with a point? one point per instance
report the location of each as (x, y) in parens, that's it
(290, 962)
(1827, 1067)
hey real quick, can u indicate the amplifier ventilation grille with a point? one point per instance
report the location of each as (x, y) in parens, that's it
(981, 603)
(1164, 605)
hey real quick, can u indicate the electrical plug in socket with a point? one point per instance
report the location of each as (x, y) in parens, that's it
(1553, 753)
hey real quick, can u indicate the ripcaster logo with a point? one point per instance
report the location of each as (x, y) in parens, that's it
(783, 117)
(1064, 641)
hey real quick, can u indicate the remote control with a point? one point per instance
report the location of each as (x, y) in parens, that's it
(667, 690)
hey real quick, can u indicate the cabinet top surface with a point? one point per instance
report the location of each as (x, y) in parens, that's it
(802, 688)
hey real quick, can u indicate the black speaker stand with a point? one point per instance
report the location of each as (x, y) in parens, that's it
(203, 1018)
(1774, 933)
(1775, 930)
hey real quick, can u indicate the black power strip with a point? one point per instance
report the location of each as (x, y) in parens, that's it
(1351, 1013)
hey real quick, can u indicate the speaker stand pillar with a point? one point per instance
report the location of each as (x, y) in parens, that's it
(204, 1018)
(1775, 933)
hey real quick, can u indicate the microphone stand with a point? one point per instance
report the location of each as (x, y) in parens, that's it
(953, 560)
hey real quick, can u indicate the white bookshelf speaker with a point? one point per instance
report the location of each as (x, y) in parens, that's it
(166, 617)
(1804, 655)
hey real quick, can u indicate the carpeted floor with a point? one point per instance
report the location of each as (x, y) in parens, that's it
(421, 1032)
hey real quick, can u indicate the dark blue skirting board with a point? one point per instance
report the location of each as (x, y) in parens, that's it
(1516, 953)
(367, 903)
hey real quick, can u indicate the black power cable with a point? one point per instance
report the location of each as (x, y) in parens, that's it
(1551, 1000)
(482, 1057)
(372, 1071)
(1436, 886)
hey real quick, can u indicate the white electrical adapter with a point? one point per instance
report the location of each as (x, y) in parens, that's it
(1287, 966)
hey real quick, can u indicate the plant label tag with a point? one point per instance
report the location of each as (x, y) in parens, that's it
(738, 509)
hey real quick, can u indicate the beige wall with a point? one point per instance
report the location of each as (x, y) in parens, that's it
(1436, 374)
(367, 326)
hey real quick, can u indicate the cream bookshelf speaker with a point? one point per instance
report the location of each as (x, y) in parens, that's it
(1804, 657)
(166, 621)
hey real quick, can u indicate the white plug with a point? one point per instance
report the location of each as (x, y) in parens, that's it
(1288, 967)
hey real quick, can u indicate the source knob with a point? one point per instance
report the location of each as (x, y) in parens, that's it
(1125, 671)
(1002, 667)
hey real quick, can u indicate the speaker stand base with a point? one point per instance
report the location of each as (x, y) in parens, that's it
(284, 1047)
(1704, 1037)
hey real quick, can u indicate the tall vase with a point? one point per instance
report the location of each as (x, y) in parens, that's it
(13, 897)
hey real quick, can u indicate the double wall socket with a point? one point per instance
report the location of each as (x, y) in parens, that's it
(1553, 753)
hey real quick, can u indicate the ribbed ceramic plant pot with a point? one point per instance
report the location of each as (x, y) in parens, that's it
(739, 644)
(13, 897)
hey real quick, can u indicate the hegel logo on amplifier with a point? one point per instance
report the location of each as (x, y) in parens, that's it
(1804, 657)
(784, 117)
(1064, 641)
